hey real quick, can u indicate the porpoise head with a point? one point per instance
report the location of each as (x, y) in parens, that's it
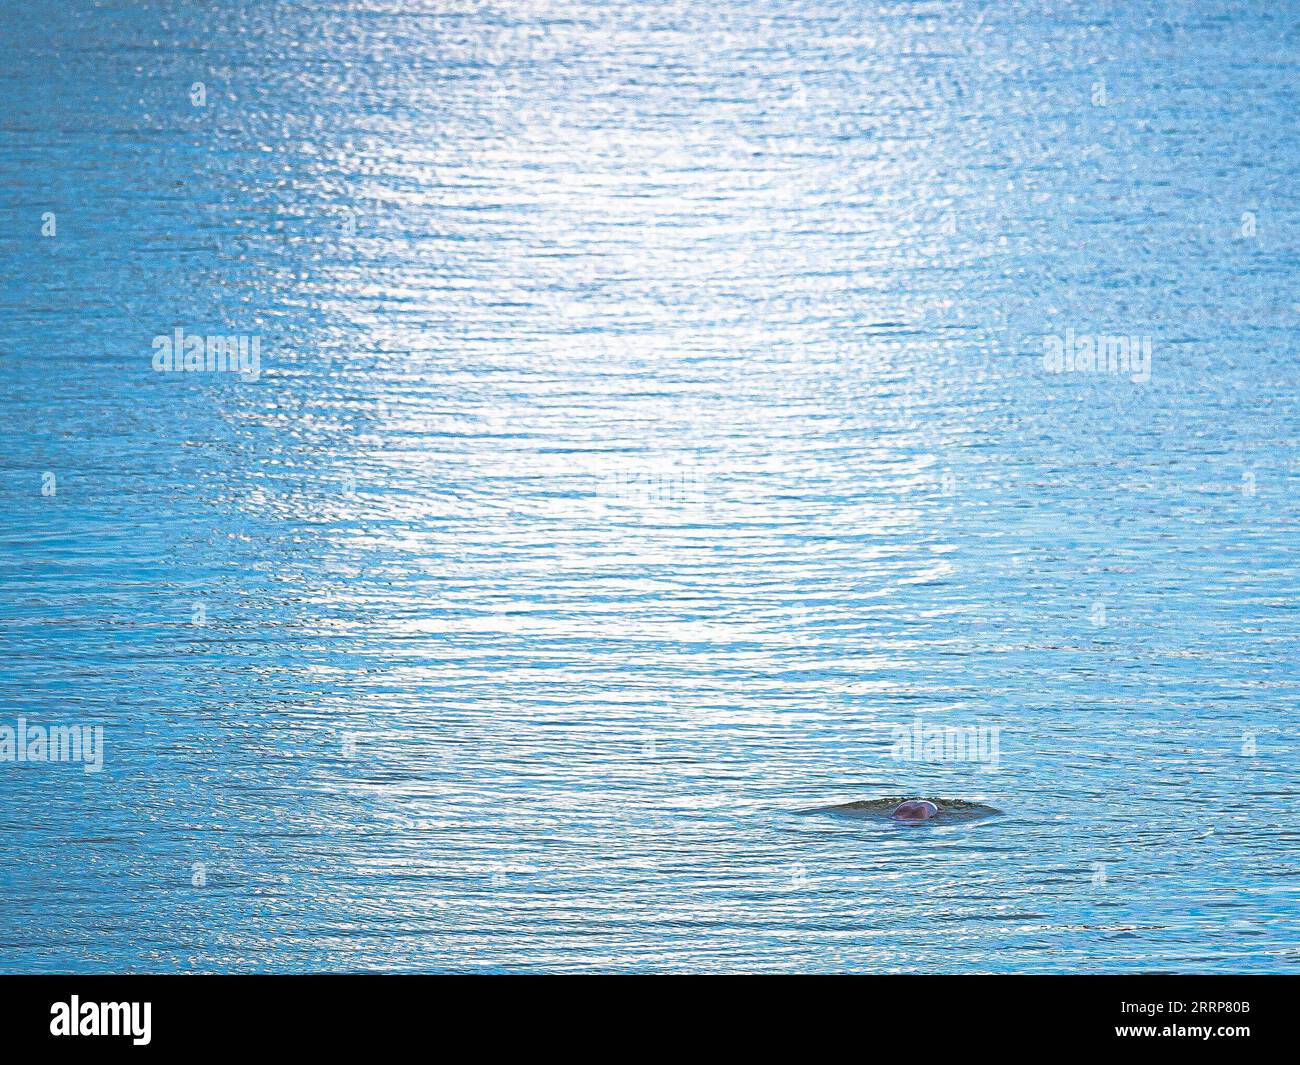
(916, 810)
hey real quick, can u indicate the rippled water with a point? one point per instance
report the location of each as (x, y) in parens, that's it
(652, 430)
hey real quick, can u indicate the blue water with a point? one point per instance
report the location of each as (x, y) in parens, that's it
(652, 419)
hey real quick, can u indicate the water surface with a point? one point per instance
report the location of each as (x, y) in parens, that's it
(651, 424)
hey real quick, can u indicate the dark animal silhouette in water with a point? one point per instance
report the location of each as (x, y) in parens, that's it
(896, 809)
(917, 810)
